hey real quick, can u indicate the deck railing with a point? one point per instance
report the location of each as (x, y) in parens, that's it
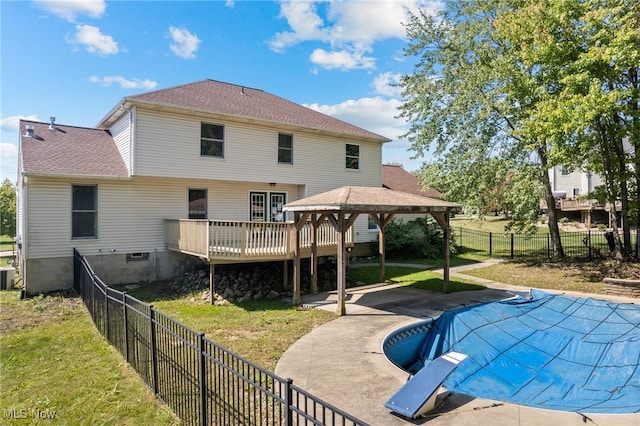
(238, 240)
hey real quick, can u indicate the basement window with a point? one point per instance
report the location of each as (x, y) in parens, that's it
(132, 257)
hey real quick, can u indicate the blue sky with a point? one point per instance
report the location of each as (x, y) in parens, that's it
(75, 60)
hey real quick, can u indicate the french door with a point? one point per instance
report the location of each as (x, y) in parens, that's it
(267, 206)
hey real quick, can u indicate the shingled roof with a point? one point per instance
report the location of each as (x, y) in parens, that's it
(395, 177)
(240, 102)
(69, 151)
(363, 199)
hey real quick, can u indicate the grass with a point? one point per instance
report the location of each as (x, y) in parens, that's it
(585, 277)
(407, 276)
(260, 331)
(486, 224)
(6, 243)
(54, 362)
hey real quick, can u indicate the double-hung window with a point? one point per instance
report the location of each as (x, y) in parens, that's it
(353, 156)
(211, 140)
(84, 211)
(285, 148)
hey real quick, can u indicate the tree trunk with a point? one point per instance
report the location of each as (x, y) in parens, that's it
(552, 212)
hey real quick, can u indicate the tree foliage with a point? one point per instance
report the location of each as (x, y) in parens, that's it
(527, 85)
(8, 208)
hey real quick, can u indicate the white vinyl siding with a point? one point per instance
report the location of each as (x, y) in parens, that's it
(121, 132)
(168, 145)
(130, 214)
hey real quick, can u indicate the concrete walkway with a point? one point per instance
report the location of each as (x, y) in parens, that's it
(342, 362)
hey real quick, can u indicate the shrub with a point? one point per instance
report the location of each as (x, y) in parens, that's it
(564, 220)
(418, 238)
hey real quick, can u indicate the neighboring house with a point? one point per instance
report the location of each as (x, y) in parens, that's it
(571, 189)
(227, 157)
(395, 177)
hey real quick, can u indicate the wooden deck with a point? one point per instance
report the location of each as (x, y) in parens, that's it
(222, 241)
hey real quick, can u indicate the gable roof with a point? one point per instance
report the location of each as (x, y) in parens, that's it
(69, 151)
(240, 102)
(395, 177)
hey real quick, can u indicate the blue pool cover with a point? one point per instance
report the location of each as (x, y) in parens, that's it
(549, 351)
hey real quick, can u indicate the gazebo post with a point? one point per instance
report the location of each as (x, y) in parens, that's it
(342, 267)
(314, 254)
(443, 220)
(382, 221)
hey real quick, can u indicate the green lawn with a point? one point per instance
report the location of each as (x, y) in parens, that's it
(408, 276)
(260, 331)
(54, 362)
(6, 243)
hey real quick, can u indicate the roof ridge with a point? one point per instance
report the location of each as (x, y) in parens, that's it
(47, 123)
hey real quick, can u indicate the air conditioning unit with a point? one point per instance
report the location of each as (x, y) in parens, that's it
(7, 277)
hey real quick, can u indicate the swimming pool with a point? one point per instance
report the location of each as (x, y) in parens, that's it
(547, 351)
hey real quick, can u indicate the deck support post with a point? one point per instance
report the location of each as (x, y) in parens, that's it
(296, 260)
(285, 274)
(212, 287)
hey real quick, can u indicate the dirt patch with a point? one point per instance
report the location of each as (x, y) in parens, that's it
(17, 315)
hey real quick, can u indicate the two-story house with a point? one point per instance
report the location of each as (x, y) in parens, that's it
(204, 165)
(572, 189)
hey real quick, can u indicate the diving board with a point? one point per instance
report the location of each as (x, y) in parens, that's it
(418, 395)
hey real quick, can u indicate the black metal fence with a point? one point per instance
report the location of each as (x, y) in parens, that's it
(588, 244)
(202, 382)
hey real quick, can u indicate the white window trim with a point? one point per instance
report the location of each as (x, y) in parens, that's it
(351, 156)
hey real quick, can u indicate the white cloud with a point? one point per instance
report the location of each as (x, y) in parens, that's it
(378, 115)
(12, 124)
(385, 84)
(124, 83)
(184, 43)
(230, 4)
(70, 9)
(94, 41)
(350, 28)
(343, 59)
(375, 114)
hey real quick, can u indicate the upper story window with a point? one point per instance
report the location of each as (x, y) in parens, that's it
(285, 148)
(197, 203)
(353, 156)
(84, 211)
(211, 140)
(564, 171)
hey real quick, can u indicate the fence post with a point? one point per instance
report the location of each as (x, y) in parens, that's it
(548, 246)
(288, 401)
(203, 382)
(106, 312)
(154, 359)
(589, 242)
(460, 243)
(490, 244)
(126, 325)
(512, 245)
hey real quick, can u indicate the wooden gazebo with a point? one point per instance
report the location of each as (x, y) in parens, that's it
(342, 206)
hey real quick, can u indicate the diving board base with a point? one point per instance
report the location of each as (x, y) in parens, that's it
(418, 396)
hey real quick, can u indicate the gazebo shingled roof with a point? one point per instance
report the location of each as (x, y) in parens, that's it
(343, 205)
(363, 199)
